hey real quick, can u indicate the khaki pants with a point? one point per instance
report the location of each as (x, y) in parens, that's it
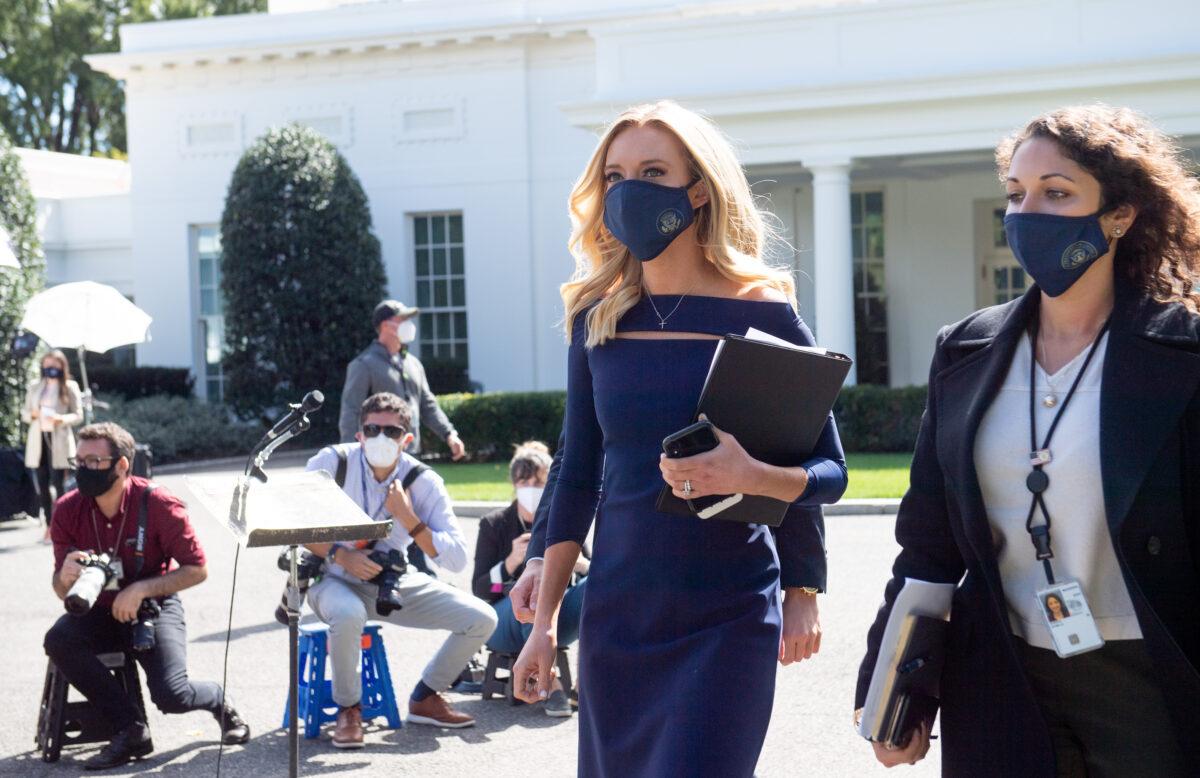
(428, 604)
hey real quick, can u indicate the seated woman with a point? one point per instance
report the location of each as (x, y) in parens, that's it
(500, 560)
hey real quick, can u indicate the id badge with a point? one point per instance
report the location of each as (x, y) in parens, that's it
(118, 569)
(1066, 613)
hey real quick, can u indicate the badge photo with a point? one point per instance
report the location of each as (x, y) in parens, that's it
(1069, 619)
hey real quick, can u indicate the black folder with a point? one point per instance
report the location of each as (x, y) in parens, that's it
(916, 685)
(775, 400)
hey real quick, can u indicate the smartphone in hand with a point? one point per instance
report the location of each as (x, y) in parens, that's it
(688, 442)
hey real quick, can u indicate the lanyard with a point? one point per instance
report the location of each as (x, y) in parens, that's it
(366, 471)
(1037, 481)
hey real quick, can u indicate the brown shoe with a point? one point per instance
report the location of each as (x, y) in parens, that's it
(349, 732)
(436, 711)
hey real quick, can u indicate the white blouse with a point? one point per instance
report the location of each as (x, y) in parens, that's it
(1080, 538)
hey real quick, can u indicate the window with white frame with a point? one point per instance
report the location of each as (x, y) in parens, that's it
(441, 287)
(870, 297)
(206, 248)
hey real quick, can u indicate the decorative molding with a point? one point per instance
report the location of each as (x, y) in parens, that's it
(333, 120)
(211, 134)
(416, 120)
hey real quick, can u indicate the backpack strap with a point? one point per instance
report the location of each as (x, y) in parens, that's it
(139, 551)
(340, 476)
(414, 474)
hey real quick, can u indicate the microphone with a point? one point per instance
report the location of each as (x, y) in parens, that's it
(311, 402)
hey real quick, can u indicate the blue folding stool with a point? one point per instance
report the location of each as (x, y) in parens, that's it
(316, 705)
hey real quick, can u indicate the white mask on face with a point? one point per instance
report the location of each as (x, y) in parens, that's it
(528, 497)
(381, 450)
(406, 331)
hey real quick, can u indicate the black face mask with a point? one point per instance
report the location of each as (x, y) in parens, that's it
(52, 372)
(93, 483)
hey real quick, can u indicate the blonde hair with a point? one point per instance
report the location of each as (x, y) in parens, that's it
(529, 459)
(731, 230)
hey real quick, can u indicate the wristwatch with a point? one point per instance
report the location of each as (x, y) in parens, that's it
(811, 591)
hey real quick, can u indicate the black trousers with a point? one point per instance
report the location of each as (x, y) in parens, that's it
(1106, 712)
(47, 475)
(74, 641)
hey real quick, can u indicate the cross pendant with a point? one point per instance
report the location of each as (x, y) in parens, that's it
(662, 325)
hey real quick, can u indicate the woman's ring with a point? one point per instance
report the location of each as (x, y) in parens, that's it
(687, 487)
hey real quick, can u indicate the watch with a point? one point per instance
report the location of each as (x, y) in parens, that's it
(811, 591)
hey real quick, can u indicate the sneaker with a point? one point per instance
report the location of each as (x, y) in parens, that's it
(234, 731)
(349, 730)
(436, 711)
(557, 704)
(131, 743)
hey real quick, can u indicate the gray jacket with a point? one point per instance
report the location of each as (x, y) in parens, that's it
(375, 370)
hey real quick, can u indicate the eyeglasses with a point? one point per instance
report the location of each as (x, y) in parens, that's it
(89, 463)
(391, 430)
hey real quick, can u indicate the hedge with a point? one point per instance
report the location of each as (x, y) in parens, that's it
(134, 382)
(870, 418)
(183, 428)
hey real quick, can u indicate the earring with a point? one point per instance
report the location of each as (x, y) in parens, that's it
(1118, 232)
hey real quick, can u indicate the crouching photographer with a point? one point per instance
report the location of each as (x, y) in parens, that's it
(362, 583)
(123, 548)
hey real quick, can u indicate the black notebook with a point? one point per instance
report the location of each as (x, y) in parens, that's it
(774, 397)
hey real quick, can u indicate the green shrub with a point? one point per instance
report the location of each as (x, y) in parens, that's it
(879, 418)
(300, 272)
(133, 382)
(491, 424)
(18, 218)
(183, 428)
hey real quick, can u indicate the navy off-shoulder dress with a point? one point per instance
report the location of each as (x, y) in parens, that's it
(681, 624)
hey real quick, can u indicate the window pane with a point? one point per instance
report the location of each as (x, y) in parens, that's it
(875, 277)
(1001, 274)
(444, 331)
(439, 229)
(441, 296)
(456, 261)
(208, 302)
(207, 276)
(1018, 279)
(875, 241)
(874, 203)
(423, 295)
(439, 262)
(208, 240)
(456, 234)
(460, 326)
(859, 284)
(856, 208)
(458, 293)
(422, 262)
(214, 389)
(856, 241)
(463, 356)
(421, 227)
(426, 327)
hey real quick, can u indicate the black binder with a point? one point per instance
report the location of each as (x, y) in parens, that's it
(916, 684)
(775, 400)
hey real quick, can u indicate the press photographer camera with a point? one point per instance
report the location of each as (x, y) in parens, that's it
(394, 565)
(308, 568)
(98, 570)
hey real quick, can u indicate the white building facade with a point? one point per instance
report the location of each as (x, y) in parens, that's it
(867, 127)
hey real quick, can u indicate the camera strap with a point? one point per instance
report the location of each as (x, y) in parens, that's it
(139, 551)
(1038, 481)
(405, 483)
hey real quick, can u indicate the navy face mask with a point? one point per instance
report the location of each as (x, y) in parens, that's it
(1055, 250)
(647, 217)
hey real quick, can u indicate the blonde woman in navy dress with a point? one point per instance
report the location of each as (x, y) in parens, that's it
(681, 627)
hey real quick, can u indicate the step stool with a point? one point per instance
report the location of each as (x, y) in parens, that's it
(62, 723)
(316, 705)
(494, 683)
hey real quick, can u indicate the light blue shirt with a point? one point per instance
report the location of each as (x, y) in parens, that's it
(430, 501)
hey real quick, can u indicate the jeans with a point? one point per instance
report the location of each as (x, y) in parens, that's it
(510, 634)
(47, 476)
(73, 642)
(428, 604)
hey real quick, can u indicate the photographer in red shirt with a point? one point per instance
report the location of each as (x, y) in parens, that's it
(138, 608)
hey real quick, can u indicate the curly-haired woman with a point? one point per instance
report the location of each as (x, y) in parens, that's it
(1061, 445)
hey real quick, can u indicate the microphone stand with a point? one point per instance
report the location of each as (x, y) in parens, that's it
(254, 468)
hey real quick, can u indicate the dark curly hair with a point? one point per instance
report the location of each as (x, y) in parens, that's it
(1139, 165)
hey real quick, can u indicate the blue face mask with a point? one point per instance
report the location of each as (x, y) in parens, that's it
(647, 217)
(1055, 250)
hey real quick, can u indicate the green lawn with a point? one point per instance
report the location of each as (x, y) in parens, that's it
(871, 475)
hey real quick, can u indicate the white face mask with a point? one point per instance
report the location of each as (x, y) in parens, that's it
(406, 331)
(381, 450)
(528, 497)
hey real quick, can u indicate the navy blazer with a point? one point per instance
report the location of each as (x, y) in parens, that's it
(1150, 467)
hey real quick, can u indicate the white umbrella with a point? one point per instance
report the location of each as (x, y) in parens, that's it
(7, 257)
(86, 316)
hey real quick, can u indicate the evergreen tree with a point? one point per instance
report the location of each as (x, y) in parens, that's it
(301, 273)
(17, 217)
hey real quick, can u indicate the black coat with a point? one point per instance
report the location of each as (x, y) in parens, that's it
(1150, 466)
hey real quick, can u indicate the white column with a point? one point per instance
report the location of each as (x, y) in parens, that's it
(834, 264)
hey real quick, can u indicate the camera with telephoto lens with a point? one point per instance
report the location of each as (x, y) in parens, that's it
(98, 570)
(308, 567)
(394, 566)
(143, 626)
